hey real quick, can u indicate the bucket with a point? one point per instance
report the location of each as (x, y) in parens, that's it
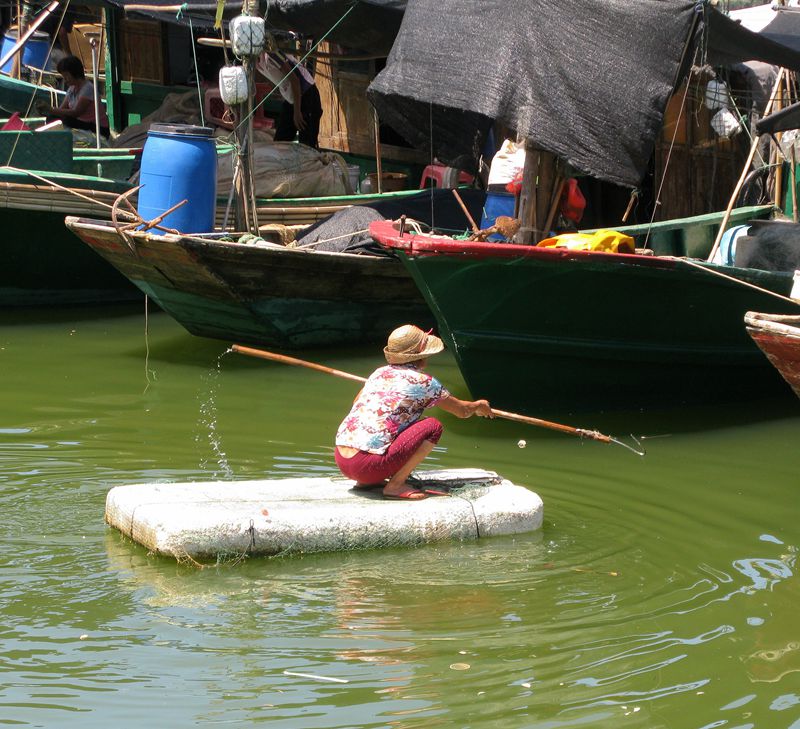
(179, 161)
(35, 51)
(353, 175)
(390, 181)
(497, 204)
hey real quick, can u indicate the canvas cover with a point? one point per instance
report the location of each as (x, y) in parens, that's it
(586, 81)
(366, 25)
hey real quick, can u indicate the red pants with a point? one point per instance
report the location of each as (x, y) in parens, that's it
(373, 468)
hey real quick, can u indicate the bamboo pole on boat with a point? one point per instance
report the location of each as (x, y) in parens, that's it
(546, 183)
(96, 100)
(745, 170)
(379, 166)
(793, 180)
(559, 189)
(24, 33)
(527, 196)
(285, 359)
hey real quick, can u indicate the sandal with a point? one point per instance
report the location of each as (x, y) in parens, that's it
(407, 495)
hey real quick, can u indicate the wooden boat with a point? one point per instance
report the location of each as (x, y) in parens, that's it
(549, 329)
(268, 295)
(48, 265)
(778, 337)
(542, 329)
(21, 96)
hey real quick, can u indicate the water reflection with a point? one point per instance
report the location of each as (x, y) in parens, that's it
(662, 591)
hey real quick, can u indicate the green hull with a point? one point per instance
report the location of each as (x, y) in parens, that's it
(277, 297)
(21, 96)
(46, 265)
(539, 330)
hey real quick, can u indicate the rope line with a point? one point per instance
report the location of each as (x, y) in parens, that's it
(196, 73)
(734, 279)
(38, 81)
(257, 106)
(657, 202)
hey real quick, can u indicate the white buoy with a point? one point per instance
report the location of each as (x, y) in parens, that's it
(248, 35)
(233, 85)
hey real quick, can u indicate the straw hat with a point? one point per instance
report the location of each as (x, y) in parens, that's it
(409, 344)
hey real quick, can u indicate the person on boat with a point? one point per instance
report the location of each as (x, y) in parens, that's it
(384, 436)
(302, 108)
(77, 109)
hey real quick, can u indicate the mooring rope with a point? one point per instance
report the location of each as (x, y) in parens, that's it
(734, 279)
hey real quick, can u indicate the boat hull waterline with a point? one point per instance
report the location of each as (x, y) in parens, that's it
(542, 329)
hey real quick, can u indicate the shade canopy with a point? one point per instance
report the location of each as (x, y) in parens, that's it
(587, 84)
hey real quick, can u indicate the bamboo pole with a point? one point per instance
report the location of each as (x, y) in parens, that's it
(285, 359)
(554, 205)
(378, 162)
(527, 198)
(471, 220)
(745, 171)
(29, 31)
(793, 178)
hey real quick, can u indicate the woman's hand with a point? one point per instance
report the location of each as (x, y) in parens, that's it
(483, 409)
(299, 122)
(465, 408)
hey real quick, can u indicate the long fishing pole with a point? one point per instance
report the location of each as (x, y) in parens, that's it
(580, 432)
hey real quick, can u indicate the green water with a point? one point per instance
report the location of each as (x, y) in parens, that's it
(662, 591)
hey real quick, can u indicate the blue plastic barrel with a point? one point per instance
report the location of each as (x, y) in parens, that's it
(35, 51)
(497, 204)
(179, 162)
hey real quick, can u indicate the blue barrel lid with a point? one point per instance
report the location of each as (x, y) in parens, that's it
(190, 129)
(38, 35)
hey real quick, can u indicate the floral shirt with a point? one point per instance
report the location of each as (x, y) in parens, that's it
(393, 398)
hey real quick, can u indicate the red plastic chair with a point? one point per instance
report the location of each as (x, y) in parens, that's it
(438, 174)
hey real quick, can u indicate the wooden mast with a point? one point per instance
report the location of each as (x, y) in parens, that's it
(246, 215)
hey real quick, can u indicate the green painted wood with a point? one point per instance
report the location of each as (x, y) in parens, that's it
(51, 151)
(45, 264)
(17, 95)
(543, 333)
(278, 297)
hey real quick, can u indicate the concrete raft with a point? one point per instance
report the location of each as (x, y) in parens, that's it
(202, 520)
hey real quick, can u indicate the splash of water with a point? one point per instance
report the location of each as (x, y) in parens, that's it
(208, 422)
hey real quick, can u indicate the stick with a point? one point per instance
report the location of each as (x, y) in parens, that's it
(554, 205)
(17, 47)
(475, 228)
(263, 354)
(745, 171)
(378, 163)
(793, 178)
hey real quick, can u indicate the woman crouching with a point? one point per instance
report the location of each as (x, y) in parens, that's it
(384, 435)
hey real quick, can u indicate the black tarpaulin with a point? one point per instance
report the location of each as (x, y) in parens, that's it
(586, 81)
(728, 41)
(779, 24)
(780, 121)
(367, 25)
(589, 85)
